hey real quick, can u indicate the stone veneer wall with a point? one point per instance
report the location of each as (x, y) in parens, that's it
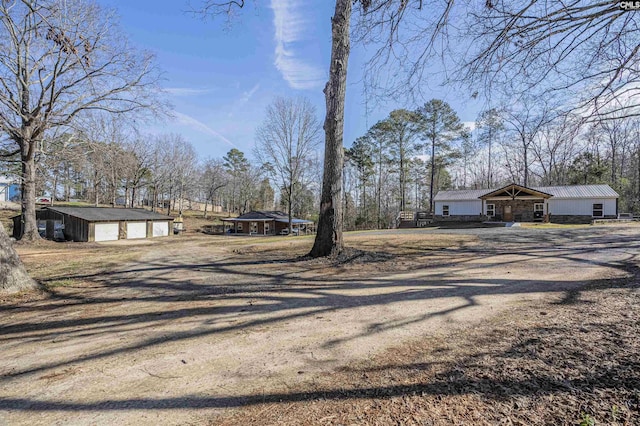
(563, 218)
(460, 218)
(521, 210)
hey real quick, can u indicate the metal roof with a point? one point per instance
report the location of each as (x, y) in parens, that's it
(568, 191)
(579, 191)
(104, 214)
(461, 195)
(265, 216)
(514, 190)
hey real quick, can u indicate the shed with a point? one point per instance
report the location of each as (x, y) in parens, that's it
(102, 223)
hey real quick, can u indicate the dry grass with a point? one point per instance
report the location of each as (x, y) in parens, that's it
(553, 225)
(5, 218)
(361, 247)
(54, 264)
(557, 362)
(562, 364)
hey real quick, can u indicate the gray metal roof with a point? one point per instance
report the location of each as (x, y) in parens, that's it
(579, 191)
(265, 216)
(568, 191)
(461, 195)
(105, 214)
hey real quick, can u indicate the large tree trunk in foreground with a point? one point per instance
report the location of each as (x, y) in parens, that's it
(30, 225)
(13, 276)
(329, 237)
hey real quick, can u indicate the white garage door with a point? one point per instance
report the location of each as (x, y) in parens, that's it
(136, 230)
(107, 231)
(160, 229)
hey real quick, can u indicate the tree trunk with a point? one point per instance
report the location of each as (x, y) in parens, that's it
(30, 225)
(489, 180)
(13, 276)
(329, 237)
(402, 181)
(289, 204)
(53, 188)
(67, 185)
(526, 166)
(379, 194)
(433, 173)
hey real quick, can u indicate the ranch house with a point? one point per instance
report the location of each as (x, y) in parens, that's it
(516, 203)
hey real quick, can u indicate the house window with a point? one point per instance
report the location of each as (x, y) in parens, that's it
(598, 210)
(254, 227)
(239, 226)
(445, 210)
(266, 227)
(538, 207)
(491, 210)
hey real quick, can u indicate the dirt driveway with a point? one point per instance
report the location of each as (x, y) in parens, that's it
(199, 324)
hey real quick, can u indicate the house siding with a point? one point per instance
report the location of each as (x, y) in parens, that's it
(574, 210)
(460, 208)
(581, 207)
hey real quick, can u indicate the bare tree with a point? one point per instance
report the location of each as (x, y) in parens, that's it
(526, 122)
(555, 147)
(137, 166)
(182, 159)
(285, 142)
(214, 178)
(59, 60)
(589, 49)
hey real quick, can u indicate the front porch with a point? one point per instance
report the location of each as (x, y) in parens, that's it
(516, 203)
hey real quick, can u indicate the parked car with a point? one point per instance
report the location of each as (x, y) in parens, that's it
(58, 231)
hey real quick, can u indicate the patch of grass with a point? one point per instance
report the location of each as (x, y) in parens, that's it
(5, 218)
(63, 265)
(553, 225)
(587, 420)
(74, 204)
(59, 283)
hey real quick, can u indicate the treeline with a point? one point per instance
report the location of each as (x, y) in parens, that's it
(404, 160)
(162, 172)
(399, 164)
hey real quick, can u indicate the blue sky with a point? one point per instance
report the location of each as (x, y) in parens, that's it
(220, 80)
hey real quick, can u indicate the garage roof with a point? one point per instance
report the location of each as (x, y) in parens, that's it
(105, 214)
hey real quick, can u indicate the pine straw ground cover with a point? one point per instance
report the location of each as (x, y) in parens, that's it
(575, 361)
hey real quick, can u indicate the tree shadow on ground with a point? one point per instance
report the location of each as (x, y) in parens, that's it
(558, 369)
(256, 296)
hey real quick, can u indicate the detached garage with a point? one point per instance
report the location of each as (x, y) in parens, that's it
(104, 223)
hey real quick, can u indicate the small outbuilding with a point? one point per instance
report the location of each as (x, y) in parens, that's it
(560, 204)
(99, 223)
(266, 223)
